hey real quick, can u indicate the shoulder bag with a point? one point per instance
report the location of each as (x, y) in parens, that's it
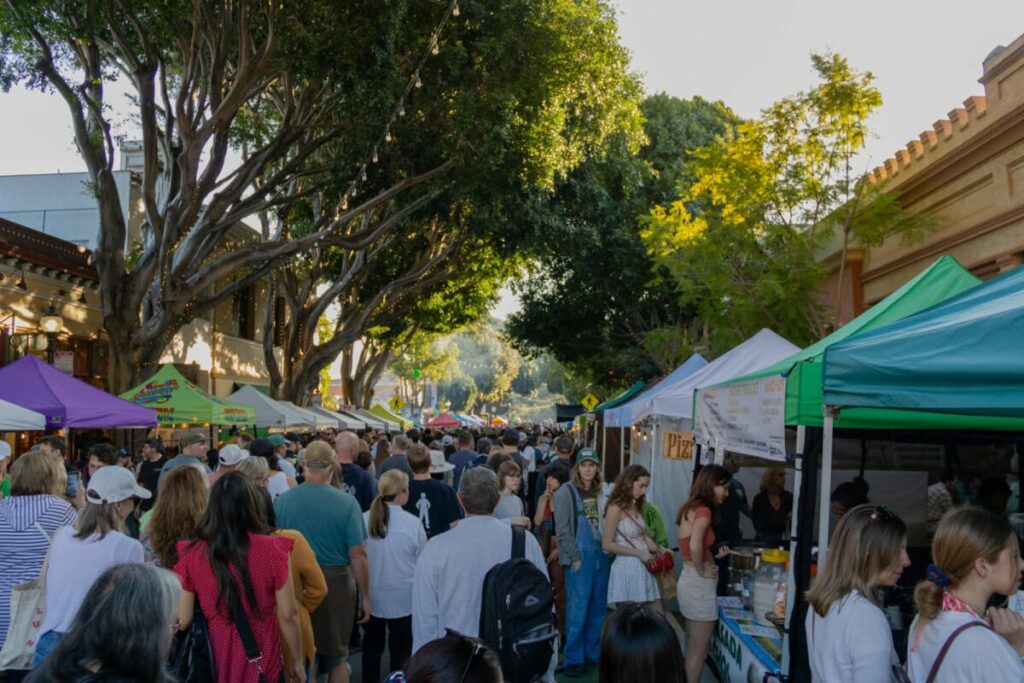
(191, 659)
(945, 648)
(28, 606)
(252, 649)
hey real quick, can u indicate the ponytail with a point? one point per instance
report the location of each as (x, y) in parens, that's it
(928, 599)
(391, 484)
(379, 517)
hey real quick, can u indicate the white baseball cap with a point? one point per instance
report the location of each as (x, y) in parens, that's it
(112, 484)
(438, 465)
(447, 440)
(232, 455)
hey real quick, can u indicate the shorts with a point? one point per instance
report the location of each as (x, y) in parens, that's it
(697, 595)
(332, 620)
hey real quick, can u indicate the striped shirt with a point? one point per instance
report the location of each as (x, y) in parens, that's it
(22, 546)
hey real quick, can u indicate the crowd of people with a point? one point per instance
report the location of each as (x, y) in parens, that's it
(271, 559)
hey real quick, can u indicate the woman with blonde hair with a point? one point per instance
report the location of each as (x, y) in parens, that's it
(177, 514)
(848, 635)
(393, 545)
(975, 555)
(29, 517)
(772, 508)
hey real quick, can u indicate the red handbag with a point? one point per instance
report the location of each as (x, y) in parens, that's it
(655, 565)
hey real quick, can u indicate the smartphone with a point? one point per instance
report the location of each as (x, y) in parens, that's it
(74, 483)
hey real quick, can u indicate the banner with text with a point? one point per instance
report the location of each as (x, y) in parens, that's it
(677, 445)
(746, 417)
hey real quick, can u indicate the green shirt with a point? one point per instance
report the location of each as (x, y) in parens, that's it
(655, 524)
(5, 487)
(329, 518)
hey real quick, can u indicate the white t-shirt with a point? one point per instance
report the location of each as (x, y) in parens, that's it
(393, 562)
(852, 643)
(74, 566)
(287, 467)
(978, 654)
(277, 484)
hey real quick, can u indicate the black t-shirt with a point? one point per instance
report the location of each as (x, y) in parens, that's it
(149, 476)
(360, 484)
(434, 503)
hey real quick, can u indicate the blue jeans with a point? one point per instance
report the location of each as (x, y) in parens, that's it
(586, 601)
(47, 642)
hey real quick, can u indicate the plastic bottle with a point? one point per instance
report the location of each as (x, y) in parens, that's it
(770, 576)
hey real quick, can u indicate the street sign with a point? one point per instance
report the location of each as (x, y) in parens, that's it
(590, 401)
(396, 403)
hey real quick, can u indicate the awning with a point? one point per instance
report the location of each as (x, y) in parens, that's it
(620, 397)
(963, 356)
(382, 412)
(622, 415)
(179, 403)
(268, 412)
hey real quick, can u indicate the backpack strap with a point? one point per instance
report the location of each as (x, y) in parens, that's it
(945, 648)
(518, 543)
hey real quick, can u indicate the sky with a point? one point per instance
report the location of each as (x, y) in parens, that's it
(925, 54)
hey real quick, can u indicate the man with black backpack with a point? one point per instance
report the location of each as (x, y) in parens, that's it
(483, 579)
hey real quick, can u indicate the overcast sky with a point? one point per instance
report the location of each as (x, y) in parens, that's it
(926, 55)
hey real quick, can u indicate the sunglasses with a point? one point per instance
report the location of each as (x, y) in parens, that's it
(882, 514)
(477, 647)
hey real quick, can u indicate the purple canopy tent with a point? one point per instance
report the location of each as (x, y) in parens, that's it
(65, 401)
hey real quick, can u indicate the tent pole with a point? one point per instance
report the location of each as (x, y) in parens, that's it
(801, 437)
(825, 489)
(622, 446)
(604, 437)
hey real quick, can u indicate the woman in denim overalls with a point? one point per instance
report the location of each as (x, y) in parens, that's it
(579, 509)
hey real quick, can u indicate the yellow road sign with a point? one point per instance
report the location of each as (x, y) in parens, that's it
(590, 401)
(396, 403)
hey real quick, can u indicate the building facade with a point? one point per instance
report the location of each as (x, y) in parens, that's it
(966, 171)
(49, 224)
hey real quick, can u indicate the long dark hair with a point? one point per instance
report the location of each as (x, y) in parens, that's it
(622, 494)
(638, 644)
(123, 624)
(235, 510)
(702, 494)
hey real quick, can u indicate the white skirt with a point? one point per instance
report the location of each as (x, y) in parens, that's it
(629, 581)
(697, 595)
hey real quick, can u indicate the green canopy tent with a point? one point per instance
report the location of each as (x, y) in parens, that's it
(179, 403)
(749, 414)
(380, 411)
(789, 393)
(962, 357)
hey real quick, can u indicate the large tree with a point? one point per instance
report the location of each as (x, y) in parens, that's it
(595, 303)
(310, 92)
(741, 241)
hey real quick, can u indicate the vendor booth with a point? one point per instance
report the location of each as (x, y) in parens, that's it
(374, 422)
(340, 421)
(269, 413)
(444, 421)
(180, 404)
(312, 419)
(381, 411)
(14, 418)
(749, 415)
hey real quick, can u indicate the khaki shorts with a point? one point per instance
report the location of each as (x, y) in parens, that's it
(332, 620)
(696, 595)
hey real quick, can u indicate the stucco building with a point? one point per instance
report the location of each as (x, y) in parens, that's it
(966, 170)
(48, 225)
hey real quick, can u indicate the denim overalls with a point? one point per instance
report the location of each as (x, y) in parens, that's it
(586, 591)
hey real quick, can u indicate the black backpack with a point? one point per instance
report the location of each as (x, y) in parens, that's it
(517, 618)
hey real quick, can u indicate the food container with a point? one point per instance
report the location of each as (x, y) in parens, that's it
(769, 582)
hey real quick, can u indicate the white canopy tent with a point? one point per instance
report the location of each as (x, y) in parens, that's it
(312, 418)
(376, 422)
(671, 410)
(353, 419)
(340, 421)
(269, 413)
(14, 418)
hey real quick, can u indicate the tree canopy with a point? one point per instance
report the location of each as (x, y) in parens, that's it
(596, 303)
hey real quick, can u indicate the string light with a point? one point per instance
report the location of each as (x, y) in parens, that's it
(401, 110)
(387, 136)
(375, 157)
(418, 83)
(434, 49)
(455, 10)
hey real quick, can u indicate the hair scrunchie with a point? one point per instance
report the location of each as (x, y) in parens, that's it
(937, 576)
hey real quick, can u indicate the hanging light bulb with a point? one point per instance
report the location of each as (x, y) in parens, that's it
(418, 83)
(401, 110)
(387, 136)
(375, 158)
(455, 10)
(344, 202)
(434, 49)
(363, 176)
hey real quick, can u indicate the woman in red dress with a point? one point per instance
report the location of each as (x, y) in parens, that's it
(235, 564)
